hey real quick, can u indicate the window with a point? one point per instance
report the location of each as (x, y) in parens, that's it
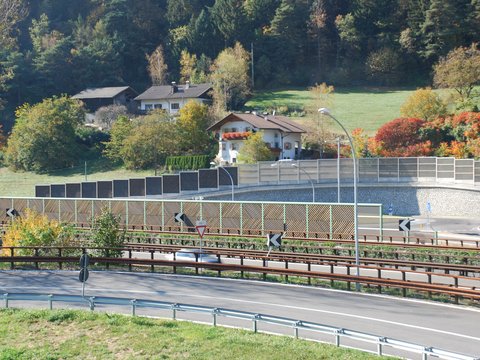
(148, 106)
(276, 145)
(276, 135)
(248, 128)
(157, 106)
(224, 146)
(175, 106)
(234, 129)
(287, 146)
(234, 146)
(268, 145)
(226, 130)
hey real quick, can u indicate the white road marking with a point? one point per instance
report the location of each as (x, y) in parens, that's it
(280, 306)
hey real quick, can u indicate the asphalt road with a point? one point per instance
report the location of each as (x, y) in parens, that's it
(448, 327)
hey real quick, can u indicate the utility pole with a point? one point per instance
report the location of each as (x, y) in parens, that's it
(253, 71)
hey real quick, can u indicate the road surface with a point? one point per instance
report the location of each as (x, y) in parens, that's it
(448, 327)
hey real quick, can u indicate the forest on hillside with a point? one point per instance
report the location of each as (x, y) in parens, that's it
(52, 47)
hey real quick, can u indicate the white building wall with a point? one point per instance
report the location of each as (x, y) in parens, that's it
(167, 104)
(229, 149)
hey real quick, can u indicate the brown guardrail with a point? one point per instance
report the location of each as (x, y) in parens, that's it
(453, 285)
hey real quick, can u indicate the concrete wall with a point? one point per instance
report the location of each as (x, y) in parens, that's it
(406, 200)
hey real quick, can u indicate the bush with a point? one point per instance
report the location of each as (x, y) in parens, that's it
(424, 104)
(193, 162)
(399, 133)
(33, 229)
(106, 233)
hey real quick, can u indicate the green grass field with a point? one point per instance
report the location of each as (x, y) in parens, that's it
(367, 108)
(23, 183)
(66, 334)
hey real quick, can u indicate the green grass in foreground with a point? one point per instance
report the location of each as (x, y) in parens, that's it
(23, 183)
(66, 334)
(368, 108)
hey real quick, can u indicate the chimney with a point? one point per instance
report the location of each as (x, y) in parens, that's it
(174, 87)
(187, 84)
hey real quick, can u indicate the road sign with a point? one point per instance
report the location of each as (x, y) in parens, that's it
(390, 210)
(404, 225)
(84, 260)
(12, 212)
(201, 225)
(274, 240)
(179, 217)
(83, 276)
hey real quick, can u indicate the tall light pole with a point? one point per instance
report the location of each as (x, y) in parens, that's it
(230, 176)
(338, 169)
(325, 111)
(309, 179)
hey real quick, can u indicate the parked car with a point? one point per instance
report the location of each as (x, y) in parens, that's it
(193, 254)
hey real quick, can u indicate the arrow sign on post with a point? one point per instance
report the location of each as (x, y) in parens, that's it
(274, 240)
(11, 212)
(404, 225)
(179, 217)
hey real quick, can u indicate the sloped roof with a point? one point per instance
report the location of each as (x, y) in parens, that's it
(263, 122)
(165, 92)
(101, 93)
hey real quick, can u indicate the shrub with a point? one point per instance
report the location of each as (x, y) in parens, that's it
(399, 133)
(193, 162)
(33, 229)
(423, 104)
(106, 233)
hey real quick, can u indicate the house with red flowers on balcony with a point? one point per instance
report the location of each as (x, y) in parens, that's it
(281, 135)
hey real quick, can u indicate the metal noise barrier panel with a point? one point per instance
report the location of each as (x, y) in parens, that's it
(318, 220)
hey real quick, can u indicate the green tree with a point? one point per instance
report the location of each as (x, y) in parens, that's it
(121, 129)
(254, 150)
(43, 137)
(229, 17)
(460, 70)
(106, 233)
(383, 66)
(423, 104)
(231, 83)
(192, 123)
(153, 138)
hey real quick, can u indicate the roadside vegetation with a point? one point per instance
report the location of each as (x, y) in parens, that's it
(67, 334)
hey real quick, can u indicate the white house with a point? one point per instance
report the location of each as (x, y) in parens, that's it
(172, 98)
(281, 134)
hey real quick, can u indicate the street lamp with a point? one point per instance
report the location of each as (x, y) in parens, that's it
(338, 169)
(306, 173)
(326, 112)
(230, 176)
(309, 179)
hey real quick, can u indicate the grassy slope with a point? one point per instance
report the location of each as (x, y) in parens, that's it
(367, 108)
(23, 183)
(63, 334)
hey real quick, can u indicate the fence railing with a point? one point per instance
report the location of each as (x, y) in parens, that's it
(383, 344)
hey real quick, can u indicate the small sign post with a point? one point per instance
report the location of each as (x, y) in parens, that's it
(201, 225)
(83, 276)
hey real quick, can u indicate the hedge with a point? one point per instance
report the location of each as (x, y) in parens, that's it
(193, 162)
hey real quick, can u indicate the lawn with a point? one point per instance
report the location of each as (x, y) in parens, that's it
(23, 183)
(367, 108)
(66, 334)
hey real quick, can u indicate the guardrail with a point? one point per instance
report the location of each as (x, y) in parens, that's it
(382, 343)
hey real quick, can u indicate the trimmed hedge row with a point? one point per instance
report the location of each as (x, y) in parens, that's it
(193, 162)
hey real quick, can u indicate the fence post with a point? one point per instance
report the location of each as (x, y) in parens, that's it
(92, 303)
(380, 346)
(254, 319)
(50, 302)
(295, 328)
(174, 312)
(134, 306)
(5, 296)
(338, 332)
(214, 313)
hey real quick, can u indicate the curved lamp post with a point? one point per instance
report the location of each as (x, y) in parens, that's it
(309, 179)
(230, 176)
(325, 111)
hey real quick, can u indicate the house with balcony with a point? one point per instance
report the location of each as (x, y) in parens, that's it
(281, 135)
(172, 98)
